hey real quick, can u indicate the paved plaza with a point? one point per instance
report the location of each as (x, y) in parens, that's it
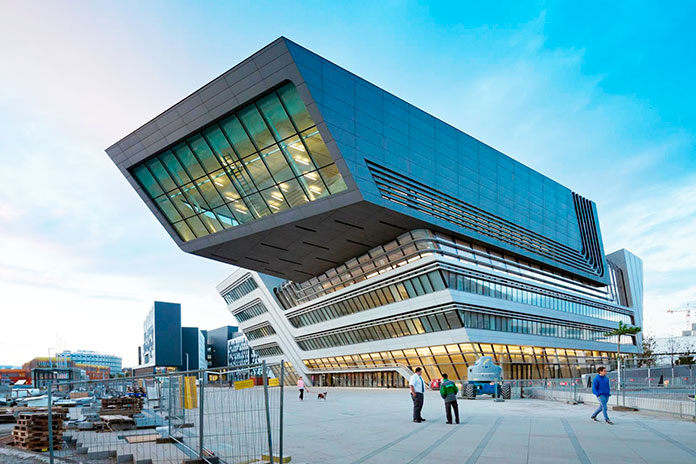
(374, 425)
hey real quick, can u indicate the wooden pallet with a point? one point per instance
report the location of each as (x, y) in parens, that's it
(121, 406)
(32, 431)
(37, 446)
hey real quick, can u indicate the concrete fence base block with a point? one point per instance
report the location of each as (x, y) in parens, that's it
(144, 461)
(125, 458)
(623, 408)
(102, 454)
(277, 459)
(82, 450)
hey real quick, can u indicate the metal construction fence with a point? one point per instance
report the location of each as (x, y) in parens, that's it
(673, 398)
(164, 418)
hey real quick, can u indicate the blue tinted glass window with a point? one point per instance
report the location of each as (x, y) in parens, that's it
(256, 127)
(276, 116)
(147, 181)
(265, 158)
(295, 106)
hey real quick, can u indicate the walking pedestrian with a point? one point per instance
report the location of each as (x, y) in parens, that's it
(448, 392)
(301, 387)
(602, 390)
(417, 386)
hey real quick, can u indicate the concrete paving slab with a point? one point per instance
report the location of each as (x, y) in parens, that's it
(373, 425)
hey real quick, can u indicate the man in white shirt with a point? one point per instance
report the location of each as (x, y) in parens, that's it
(417, 386)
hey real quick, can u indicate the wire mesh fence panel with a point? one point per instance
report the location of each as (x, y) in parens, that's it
(213, 416)
(678, 400)
(236, 428)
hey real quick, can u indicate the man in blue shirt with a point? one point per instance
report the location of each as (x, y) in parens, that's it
(601, 389)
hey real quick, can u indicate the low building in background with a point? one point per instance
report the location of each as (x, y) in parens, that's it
(12, 374)
(41, 377)
(91, 371)
(240, 353)
(94, 372)
(93, 358)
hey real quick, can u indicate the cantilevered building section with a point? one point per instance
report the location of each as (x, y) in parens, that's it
(395, 239)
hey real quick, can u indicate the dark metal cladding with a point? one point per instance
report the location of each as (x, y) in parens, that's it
(378, 167)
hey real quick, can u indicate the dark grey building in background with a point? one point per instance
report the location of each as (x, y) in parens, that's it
(168, 346)
(162, 347)
(193, 356)
(217, 344)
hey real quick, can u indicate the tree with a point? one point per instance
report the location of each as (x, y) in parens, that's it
(673, 348)
(648, 358)
(620, 331)
(687, 356)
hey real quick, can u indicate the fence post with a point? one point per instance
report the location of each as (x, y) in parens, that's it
(268, 412)
(169, 379)
(695, 402)
(282, 382)
(200, 415)
(575, 392)
(50, 421)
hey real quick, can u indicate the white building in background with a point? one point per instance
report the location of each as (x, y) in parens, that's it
(671, 347)
(113, 362)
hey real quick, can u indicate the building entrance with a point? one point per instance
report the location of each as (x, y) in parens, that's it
(383, 379)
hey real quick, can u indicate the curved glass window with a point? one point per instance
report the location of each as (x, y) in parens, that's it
(264, 159)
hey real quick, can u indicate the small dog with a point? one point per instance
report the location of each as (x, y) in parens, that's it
(322, 396)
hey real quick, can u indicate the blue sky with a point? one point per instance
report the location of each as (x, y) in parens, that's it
(597, 96)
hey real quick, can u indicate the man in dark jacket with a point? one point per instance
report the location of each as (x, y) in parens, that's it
(448, 392)
(601, 389)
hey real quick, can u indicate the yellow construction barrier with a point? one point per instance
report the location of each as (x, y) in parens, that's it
(273, 382)
(239, 384)
(188, 399)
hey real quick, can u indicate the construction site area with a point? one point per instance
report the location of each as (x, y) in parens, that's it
(196, 416)
(247, 414)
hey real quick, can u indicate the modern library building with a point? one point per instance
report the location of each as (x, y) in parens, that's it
(372, 237)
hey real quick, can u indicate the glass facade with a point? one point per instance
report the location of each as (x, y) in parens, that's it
(437, 280)
(420, 243)
(234, 293)
(265, 158)
(256, 308)
(268, 350)
(407, 288)
(455, 316)
(518, 362)
(263, 330)
(511, 291)
(93, 358)
(290, 374)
